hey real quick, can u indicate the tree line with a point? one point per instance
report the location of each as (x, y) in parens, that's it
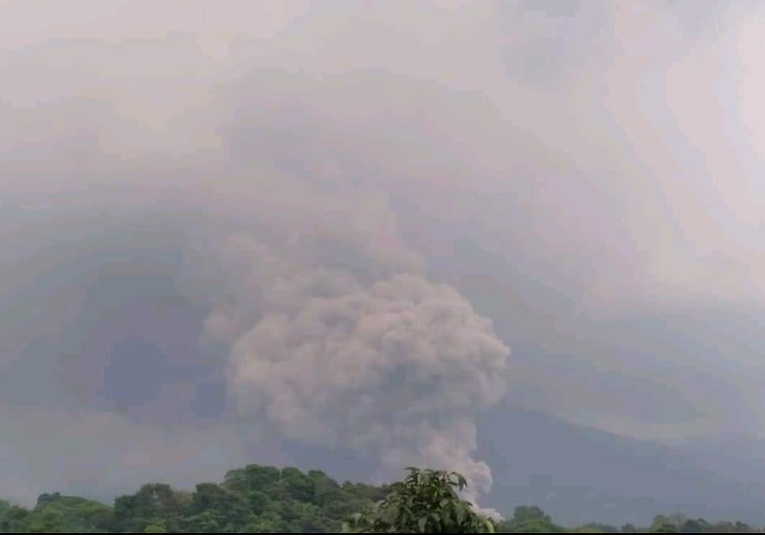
(266, 499)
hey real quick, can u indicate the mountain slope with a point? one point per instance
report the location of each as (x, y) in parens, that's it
(578, 474)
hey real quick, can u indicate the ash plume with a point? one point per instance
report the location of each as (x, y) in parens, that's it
(296, 180)
(368, 355)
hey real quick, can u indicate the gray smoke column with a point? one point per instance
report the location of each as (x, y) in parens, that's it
(337, 338)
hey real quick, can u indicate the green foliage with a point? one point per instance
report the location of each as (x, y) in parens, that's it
(55, 513)
(595, 527)
(265, 499)
(155, 504)
(529, 519)
(12, 518)
(156, 527)
(427, 501)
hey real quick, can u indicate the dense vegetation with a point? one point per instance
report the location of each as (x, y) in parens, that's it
(261, 499)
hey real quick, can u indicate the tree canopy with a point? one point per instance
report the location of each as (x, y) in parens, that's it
(427, 501)
(266, 499)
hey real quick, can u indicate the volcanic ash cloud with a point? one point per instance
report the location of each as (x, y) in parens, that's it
(395, 367)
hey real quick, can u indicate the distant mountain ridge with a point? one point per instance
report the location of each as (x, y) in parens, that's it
(577, 474)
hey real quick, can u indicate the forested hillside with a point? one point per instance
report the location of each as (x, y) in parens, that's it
(261, 499)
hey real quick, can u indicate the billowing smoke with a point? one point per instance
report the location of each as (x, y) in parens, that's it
(327, 162)
(336, 336)
(333, 331)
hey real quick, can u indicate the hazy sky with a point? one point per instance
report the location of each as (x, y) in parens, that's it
(192, 191)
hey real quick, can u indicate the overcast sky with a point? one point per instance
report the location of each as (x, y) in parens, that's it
(197, 198)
